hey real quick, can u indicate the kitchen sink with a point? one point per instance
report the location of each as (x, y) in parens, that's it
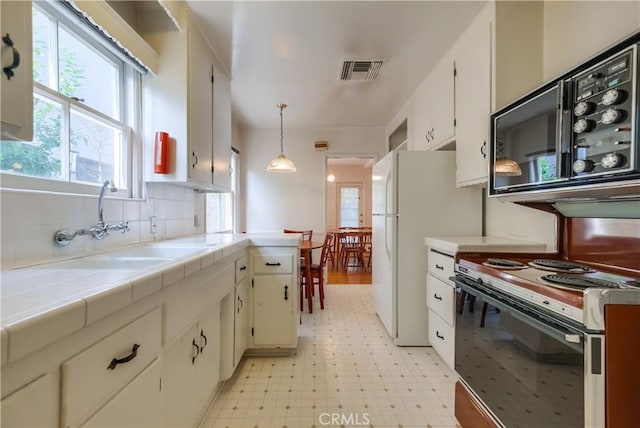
(156, 250)
(130, 259)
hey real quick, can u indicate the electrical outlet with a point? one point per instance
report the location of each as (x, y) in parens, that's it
(154, 225)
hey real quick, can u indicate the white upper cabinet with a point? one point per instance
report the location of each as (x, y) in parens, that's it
(442, 102)
(473, 101)
(16, 78)
(498, 59)
(421, 123)
(195, 112)
(433, 107)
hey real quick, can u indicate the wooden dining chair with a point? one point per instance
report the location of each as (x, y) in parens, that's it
(306, 236)
(317, 272)
(351, 248)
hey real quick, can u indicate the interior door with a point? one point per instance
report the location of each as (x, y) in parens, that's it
(350, 205)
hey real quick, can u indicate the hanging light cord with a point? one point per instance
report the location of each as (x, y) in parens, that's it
(281, 129)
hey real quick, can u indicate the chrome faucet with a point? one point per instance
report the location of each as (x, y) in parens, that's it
(100, 230)
(112, 186)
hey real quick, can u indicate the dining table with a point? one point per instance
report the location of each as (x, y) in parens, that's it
(306, 247)
(338, 233)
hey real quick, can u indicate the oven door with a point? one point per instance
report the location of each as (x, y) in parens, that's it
(527, 368)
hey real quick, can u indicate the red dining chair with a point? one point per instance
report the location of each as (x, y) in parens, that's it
(317, 271)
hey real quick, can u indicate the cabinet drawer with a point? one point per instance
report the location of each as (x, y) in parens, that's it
(94, 375)
(241, 269)
(272, 263)
(440, 265)
(139, 404)
(441, 337)
(441, 298)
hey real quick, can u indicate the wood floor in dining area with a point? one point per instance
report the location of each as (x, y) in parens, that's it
(353, 276)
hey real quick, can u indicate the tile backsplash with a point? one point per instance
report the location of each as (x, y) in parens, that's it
(29, 221)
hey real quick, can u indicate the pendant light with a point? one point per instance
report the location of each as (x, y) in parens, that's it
(281, 163)
(504, 166)
(331, 178)
(507, 167)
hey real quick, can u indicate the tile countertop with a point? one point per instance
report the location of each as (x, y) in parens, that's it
(56, 299)
(455, 244)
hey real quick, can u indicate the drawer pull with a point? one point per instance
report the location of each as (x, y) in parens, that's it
(438, 335)
(286, 292)
(243, 267)
(205, 341)
(439, 267)
(195, 345)
(435, 296)
(131, 356)
(272, 264)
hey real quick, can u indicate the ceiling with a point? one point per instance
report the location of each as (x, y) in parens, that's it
(292, 51)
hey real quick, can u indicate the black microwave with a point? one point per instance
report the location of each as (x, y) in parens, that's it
(576, 136)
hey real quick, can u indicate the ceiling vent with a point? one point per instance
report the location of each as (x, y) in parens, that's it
(360, 70)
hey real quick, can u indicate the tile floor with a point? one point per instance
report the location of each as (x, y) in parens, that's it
(346, 371)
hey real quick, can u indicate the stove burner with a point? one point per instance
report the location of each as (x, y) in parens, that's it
(578, 282)
(560, 266)
(504, 264)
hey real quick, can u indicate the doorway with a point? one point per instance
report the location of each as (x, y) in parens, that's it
(348, 204)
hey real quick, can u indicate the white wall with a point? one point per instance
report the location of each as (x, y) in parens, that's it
(577, 30)
(297, 201)
(351, 175)
(30, 220)
(573, 32)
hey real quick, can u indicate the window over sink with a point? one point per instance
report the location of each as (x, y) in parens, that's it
(86, 110)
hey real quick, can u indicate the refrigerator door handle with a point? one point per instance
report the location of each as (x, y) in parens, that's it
(386, 238)
(386, 191)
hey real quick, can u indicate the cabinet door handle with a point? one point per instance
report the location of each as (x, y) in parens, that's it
(193, 165)
(241, 304)
(438, 335)
(439, 267)
(131, 356)
(286, 292)
(435, 296)
(205, 340)
(16, 57)
(272, 264)
(243, 267)
(195, 345)
(483, 150)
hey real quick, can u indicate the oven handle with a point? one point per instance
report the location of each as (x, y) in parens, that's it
(571, 337)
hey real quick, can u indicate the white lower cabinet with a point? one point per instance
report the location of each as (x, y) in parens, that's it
(242, 326)
(441, 301)
(274, 293)
(442, 338)
(98, 373)
(139, 404)
(273, 310)
(190, 371)
(160, 361)
(33, 405)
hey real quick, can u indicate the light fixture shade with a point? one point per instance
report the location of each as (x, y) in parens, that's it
(331, 178)
(281, 164)
(507, 167)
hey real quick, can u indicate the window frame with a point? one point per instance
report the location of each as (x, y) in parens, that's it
(129, 121)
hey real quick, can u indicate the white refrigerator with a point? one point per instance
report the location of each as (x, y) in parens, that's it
(414, 196)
